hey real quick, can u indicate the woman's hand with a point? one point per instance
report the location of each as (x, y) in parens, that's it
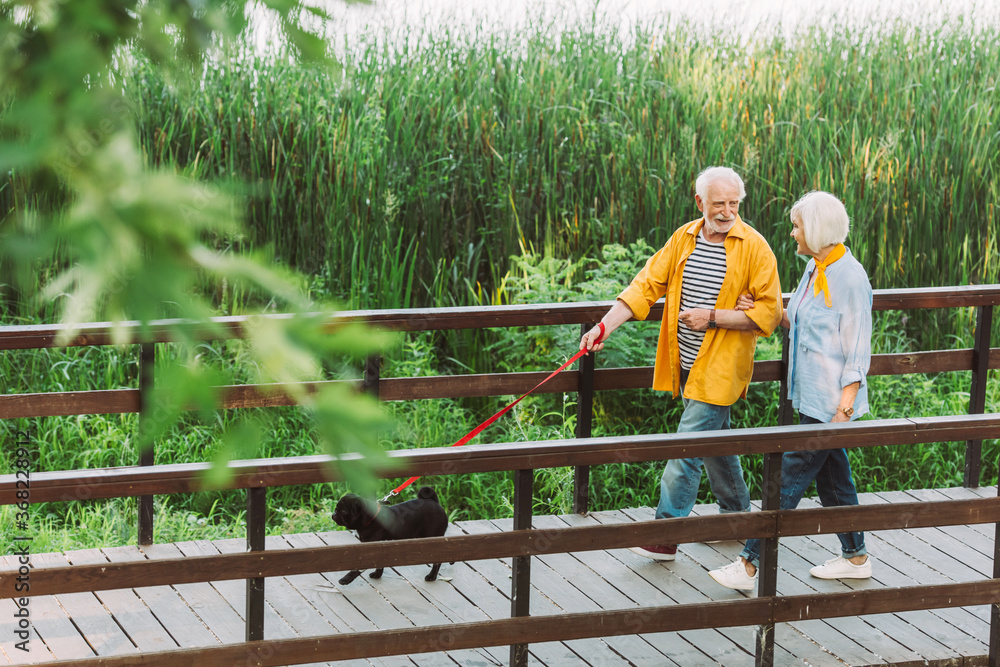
(745, 302)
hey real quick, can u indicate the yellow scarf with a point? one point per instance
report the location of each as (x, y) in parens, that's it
(821, 284)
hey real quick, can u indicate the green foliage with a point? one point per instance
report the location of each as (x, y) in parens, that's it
(118, 239)
(535, 278)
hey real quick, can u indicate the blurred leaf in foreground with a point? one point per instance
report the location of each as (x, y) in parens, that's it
(135, 243)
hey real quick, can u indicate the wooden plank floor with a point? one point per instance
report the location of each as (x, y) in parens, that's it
(157, 618)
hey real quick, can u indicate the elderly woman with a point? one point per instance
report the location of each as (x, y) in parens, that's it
(829, 319)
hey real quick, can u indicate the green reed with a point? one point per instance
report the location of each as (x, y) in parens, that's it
(475, 146)
(411, 175)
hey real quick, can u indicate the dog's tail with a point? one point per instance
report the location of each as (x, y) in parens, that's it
(427, 493)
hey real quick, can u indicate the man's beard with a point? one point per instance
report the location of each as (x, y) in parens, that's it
(713, 226)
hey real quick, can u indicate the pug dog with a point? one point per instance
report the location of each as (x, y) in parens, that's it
(375, 522)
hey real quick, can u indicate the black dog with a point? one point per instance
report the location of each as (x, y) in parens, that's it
(375, 522)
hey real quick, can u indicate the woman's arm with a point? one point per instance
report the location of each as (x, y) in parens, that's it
(847, 396)
(745, 302)
(855, 336)
(856, 329)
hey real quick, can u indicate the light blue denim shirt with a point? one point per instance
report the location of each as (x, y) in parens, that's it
(830, 347)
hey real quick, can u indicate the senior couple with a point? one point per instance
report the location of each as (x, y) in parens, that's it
(721, 284)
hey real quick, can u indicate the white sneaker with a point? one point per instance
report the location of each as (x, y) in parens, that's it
(841, 568)
(734, 576)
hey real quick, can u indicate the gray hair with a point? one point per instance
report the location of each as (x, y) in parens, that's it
(713, 174)
(823, 218)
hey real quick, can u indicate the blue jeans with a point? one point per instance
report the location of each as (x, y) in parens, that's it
(682, 477)
(834, 484)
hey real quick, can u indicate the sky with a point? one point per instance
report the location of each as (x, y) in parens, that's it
(381, 17)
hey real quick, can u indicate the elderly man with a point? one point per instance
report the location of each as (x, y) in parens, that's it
(706, 346)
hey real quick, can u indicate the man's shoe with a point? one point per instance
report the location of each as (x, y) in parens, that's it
(841, 568)
(735, 576)
(657, 551)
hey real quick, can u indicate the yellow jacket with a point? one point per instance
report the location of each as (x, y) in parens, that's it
(724, 365)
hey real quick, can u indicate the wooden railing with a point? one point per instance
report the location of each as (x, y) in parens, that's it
(523, 458)
(523, 542)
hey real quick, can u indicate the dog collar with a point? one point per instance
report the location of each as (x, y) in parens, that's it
(374, 515)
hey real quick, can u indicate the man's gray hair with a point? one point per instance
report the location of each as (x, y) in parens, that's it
(823, 218)
(713, 174)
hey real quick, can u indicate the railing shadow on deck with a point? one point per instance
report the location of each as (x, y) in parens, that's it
(523, 542)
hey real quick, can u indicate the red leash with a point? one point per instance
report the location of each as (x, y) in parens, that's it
(476, 431)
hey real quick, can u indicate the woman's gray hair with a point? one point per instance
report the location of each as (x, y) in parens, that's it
(823, 218)
(712, 174)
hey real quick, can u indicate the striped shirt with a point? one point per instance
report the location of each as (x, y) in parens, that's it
(703, 275)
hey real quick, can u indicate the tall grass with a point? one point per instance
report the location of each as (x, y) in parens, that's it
(414, 175)
(411, 175)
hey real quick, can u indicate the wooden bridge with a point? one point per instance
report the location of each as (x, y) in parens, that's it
(153, 619)
(531, 590)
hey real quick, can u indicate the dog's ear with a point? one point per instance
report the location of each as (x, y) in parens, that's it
(357, 509)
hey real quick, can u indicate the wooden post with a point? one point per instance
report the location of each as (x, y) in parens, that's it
(994, 656)
(977, 395)
(767, 577)
(256, 529)
(584, 424)
(147, 367)
(520, 592)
